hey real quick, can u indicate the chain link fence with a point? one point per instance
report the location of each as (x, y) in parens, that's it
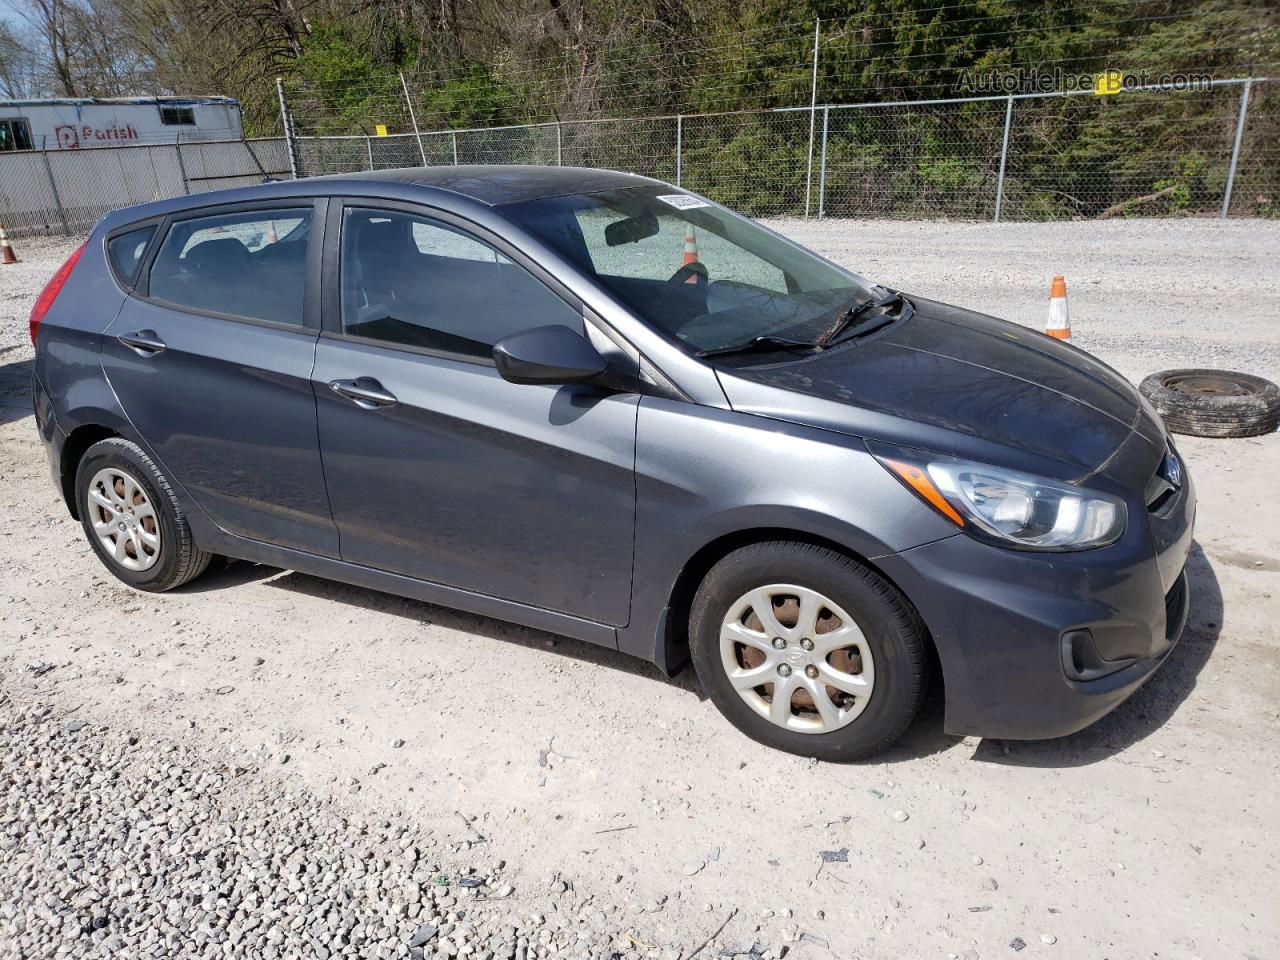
(911, 160)
(1151, 152)
(1049, 176)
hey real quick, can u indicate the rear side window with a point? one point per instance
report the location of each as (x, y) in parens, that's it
(125, 251)
(416, 281)
(251, 265)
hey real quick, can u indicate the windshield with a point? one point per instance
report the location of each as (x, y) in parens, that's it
(700, 274)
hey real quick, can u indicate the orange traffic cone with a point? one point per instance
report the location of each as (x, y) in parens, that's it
(271, 231)
(690, 247)
(6, 251)
(690, 251)
(1059, 325)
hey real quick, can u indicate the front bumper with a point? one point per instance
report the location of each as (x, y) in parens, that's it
(998, 619)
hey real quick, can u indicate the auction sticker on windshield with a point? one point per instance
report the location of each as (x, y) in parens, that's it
(682, 201)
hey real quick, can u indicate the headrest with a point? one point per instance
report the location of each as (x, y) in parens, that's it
(225, 253)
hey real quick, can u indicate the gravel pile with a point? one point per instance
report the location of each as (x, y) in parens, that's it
(114, 847)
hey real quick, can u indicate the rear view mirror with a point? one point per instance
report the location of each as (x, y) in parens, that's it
(551, 354)
(630, 230)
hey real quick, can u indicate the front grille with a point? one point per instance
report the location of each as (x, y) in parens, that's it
(1175, 608)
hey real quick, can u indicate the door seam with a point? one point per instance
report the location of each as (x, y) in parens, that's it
(324, 478)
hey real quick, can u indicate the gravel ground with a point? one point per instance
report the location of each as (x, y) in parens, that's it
(1145, 295)
(262, 750)
(132, 849)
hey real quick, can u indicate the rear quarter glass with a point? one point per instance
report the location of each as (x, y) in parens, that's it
(126, 250)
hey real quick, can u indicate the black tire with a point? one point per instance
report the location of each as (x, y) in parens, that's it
(177, 559)
(891, 627)
(1213, 403)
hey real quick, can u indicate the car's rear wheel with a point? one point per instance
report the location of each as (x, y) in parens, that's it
(133, 519)
(806, 650)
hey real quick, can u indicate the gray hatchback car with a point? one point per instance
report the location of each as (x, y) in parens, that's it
(600, 405)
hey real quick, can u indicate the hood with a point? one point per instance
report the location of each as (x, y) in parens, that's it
(954, 381)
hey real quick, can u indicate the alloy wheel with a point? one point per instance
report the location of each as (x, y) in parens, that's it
(797, 658)
(123, 519)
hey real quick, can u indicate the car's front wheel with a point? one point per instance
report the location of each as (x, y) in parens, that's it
(133, 519)
(806, 650)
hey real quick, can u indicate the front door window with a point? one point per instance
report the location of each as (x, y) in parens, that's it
(418, 282)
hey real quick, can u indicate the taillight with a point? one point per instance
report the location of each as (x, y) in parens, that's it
(51, 291)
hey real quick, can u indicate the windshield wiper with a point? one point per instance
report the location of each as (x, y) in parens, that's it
(855, 313)
(757, 344)
(850, 317)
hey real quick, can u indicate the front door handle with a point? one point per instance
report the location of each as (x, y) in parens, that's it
(364, 392)
(145, 343)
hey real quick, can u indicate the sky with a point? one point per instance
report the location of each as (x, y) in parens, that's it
(9, 11)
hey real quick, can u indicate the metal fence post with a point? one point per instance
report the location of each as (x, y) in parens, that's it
(680, 146)
(822, 166)
(182, 166)
(252, 156)
(1004, 153)
(454, 135)
(368, 146)
(559, 146)
(1235, 149)
(414, 119)
(53, 185)
(291, 143)
(813, 104)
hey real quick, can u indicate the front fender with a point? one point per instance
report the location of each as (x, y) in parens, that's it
(705, 474)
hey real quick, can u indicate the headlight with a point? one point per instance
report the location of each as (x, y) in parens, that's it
(1008, 508)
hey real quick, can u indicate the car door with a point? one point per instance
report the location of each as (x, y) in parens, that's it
(211, 359)
(436, 467)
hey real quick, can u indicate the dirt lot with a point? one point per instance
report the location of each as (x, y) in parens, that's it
(1152, 834)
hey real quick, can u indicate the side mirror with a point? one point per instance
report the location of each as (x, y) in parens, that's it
(551, 354)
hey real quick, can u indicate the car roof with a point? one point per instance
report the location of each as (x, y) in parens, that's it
(489, 184)
(496, 184)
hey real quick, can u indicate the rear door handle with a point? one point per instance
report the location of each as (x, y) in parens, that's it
(364, 392)
(145, 343)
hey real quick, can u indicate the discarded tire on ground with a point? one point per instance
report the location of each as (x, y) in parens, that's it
(1214, 403)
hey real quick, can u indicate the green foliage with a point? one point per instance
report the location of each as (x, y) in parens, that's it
(341, 85)
(756, 164)
(474, 98)
(487, 63)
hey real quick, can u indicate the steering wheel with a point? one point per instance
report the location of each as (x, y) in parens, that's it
(696, 271)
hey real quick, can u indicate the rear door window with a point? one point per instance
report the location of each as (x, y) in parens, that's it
(419, 282)
(245, 264)
(125, 251)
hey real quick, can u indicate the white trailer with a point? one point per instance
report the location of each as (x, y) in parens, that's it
(80, 123)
